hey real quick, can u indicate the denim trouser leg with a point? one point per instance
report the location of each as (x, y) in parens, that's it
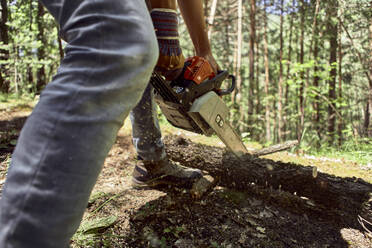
(145, 128)
(111, 53)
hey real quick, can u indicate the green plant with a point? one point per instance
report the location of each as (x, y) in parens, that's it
(174, 230)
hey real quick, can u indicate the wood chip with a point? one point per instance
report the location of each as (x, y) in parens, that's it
(203, 186)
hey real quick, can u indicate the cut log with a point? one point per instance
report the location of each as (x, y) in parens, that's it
(292, 186)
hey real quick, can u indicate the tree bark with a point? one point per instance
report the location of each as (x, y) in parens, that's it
(238, 72)
(332, 28)
(252, 38)
(206, 2)
(41, 76)
(302, 74)
(60, 47)
(340, 120)
(280, 83)
(267, 81)
(367, 115)
(257, 79)
(315, 51)
(313, 35)
(316, 86)
(4, 53)
(211, 18)
(286, 94)
(367, 127)
(339, 198)
(29, 53)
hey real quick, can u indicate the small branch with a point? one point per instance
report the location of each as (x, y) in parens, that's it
(105, 203)
(275, 148)
(361, 221)
(330, 104)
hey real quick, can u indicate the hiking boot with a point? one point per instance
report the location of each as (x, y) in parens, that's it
(163, 172)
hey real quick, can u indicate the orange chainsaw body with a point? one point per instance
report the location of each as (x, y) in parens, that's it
(198, 69)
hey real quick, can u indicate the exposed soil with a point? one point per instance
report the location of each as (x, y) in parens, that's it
(227, 217)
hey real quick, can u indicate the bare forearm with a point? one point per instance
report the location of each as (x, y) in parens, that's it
(168, 4)
(192, 13)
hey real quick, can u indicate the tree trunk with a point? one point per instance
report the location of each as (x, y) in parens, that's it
(302, 74)
(29, 53)
(313, 35)
(206, 2)
(267, 82)
(60, 47)
(16, 58)
(4, 53)
(274, 119)
(332, 28)
(257, 79)
(367, 121)
(234, 95)
(293, 186)
(41, 76)
(280, 82)
(316, 86)
(367, 116)
(238, 72)
(286, 94)
(252, 18)
(211, 18)
(314, 49)
(339, 120)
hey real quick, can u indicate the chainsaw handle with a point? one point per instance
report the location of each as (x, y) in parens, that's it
(229, 90)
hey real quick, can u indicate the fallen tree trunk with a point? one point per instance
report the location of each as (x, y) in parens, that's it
(296, 187)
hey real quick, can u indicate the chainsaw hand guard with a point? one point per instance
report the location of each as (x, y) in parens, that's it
(230, 90)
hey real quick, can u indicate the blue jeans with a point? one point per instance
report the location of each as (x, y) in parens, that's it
(145, 128)
(111, 52)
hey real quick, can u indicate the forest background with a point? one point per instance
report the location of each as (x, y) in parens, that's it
(303, 68)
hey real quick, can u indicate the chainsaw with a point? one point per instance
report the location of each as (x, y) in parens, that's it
(193, 102)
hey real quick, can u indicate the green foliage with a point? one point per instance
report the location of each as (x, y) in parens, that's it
(6, 162)
(356, 150)
(21, 65)
(22, 62)
(174, 231)
(106, 239)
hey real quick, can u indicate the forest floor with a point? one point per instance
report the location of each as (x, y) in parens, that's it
(119, 216)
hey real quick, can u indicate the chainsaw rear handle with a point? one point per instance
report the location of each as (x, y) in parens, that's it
(229, 90)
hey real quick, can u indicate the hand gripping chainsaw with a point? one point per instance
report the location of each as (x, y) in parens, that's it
(193, 102)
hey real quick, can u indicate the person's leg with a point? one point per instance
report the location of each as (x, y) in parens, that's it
(111, 53)
(153, 167)
(146, 132)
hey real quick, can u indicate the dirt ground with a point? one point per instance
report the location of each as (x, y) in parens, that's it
(119, 216)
